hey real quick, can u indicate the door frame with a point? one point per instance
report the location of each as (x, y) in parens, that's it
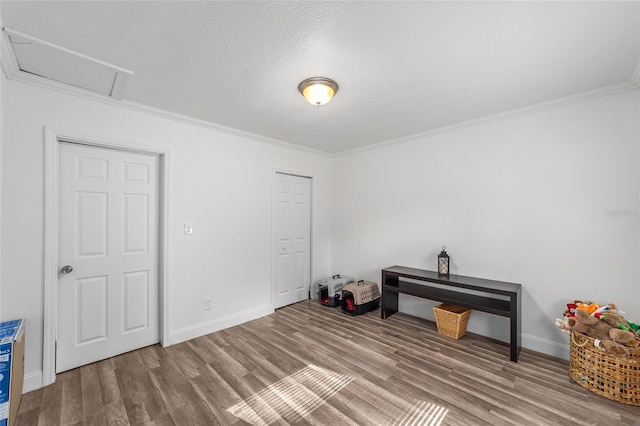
(52, 140)
(274, 180)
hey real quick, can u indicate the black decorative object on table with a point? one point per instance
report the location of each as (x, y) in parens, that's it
(443, 262)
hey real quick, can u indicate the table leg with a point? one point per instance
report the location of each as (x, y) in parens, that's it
(515, 327)
(389, 302)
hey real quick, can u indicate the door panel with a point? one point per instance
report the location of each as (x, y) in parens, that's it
(300, 269)
(91, 309)
(91, 168)
(136, 223)
(284, 266)
(92, 223)
(135, 299)
(108, 233)
(292, 239)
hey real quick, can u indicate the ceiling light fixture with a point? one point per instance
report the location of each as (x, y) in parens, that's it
(318, 90)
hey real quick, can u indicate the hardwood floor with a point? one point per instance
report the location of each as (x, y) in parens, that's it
(312, 365)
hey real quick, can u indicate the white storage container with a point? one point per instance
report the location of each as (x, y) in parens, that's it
(328, 290)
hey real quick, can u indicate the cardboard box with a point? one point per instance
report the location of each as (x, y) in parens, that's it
(11, 369)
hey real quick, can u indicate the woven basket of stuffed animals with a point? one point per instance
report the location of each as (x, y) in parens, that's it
(613, 376)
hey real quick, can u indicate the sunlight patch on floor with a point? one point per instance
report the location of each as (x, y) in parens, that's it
(291, 398)
(422, 414)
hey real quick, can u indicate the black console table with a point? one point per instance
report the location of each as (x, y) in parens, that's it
(452, 292)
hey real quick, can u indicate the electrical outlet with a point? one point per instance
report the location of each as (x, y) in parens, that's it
(207, 303)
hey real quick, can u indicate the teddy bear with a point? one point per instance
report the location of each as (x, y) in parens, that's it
(613, 339)
(617, 321)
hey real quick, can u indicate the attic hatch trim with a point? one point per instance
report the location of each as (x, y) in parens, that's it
(10, 63)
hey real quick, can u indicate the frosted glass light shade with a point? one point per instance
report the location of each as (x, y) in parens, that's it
(318, 90)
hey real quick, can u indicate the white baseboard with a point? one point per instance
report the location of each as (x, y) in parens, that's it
(218, 324)
(528, 341)
(32, 381)
(546, 346)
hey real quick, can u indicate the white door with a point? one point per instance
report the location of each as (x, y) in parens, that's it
(108, 235)
(291, 239)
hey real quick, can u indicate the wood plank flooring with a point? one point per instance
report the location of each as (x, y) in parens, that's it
(312, 365)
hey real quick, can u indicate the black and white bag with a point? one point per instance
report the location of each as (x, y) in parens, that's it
(330, 289)
(360, 297)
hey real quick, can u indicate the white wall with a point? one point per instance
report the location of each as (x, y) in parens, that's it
(548, 199)
(219, 182)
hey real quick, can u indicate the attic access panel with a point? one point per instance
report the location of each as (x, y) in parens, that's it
(57, 64)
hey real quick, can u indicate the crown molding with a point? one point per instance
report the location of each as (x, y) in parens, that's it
(216, 127)
(157, 112)
(531, 109)
(13, 72)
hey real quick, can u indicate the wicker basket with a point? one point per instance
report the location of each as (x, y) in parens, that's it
(612, 376)
(452, 320)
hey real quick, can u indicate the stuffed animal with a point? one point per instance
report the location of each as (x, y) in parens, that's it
(617, 321)
(613, 339)
(563, 324)
(589, 307)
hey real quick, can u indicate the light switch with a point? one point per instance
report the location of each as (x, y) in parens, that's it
(188, 228)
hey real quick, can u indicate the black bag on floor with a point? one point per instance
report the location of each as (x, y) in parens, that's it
(360, 297)
(330, 289)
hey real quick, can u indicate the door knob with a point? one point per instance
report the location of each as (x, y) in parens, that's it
(66, 269)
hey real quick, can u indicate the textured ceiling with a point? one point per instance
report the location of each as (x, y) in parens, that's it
(403, 67)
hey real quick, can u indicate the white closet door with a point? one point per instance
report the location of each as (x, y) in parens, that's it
(291, 239)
